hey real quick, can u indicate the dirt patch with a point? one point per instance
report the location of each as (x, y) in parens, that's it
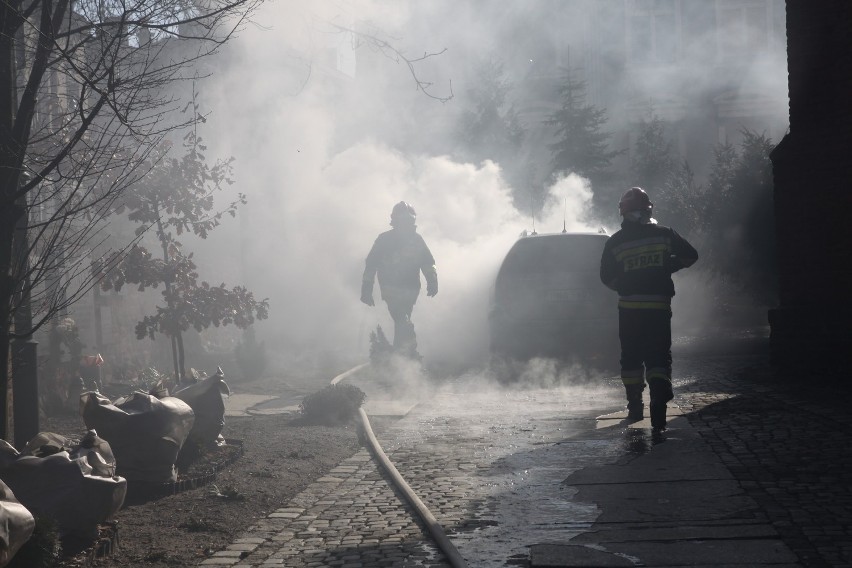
(280, 457)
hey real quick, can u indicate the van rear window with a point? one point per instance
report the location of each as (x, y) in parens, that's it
(554, 252)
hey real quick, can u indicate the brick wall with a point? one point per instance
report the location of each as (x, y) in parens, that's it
(813, 191)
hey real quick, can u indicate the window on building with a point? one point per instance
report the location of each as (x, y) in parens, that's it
(654, 30)
(742, 27)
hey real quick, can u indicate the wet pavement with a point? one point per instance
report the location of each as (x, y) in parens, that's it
(749, 473)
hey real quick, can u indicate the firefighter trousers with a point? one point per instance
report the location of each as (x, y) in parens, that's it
(404, 338)
(646, 350)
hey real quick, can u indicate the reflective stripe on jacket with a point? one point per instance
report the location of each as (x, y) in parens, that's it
(638, 262)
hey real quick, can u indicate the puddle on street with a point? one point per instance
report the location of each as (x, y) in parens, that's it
(524, 445)
(637, 442)
(530, 505)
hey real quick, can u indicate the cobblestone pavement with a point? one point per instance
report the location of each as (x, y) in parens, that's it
(788, 444)
(467, 453)
(350, 518)
(490, 464)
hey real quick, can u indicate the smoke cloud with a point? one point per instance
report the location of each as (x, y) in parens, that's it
(328, 134)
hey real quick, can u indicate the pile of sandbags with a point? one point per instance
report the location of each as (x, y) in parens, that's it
(206, 398)
(82, 485)
(74, 484)
(148, 430)
(146, 433)
(16, 524)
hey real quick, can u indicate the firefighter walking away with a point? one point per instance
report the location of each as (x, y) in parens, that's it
(398, 257)
(638, 262)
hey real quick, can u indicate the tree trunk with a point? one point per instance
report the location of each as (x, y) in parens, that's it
(4, 367)
(8, 219)
(17, 107)
(25, 400)
(8, 212)
(181, 356)
(177, 340)
(175, 362)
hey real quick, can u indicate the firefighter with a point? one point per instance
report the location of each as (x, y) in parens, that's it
(398, 257)
(637, 262)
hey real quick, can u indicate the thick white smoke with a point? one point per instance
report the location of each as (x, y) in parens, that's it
(307, 238)
(326, 143)
(321, 180)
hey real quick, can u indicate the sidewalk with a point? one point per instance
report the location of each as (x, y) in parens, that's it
(672, 503)
(751, 475)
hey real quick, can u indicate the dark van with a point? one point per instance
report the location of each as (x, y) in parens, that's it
(548, 300)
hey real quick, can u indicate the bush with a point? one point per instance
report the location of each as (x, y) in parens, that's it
(335, 404)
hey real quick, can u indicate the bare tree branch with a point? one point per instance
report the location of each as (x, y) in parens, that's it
(86, 90)
(390, 51)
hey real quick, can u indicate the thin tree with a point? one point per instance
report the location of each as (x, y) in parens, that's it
(178, 197)
(82, 98)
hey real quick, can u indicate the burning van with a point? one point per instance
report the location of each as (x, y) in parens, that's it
(548, 300)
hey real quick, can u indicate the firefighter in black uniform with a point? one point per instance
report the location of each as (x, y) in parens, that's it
(398, 257)
(638, 262)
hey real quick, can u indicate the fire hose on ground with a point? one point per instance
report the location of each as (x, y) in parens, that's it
(441, 539)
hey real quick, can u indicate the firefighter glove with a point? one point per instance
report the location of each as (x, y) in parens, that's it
(367, 293)
(431, 288)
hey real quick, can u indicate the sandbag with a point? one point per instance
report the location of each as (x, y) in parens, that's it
(56, 478)
(16, 524)
(206, 398)
(145, 433)
(93, 448)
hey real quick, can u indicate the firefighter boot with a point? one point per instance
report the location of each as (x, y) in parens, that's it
(635, 407)
(661, 393)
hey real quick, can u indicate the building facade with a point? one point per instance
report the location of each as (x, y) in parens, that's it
(813, 175)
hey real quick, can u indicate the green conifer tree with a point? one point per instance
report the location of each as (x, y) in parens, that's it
(580, 144)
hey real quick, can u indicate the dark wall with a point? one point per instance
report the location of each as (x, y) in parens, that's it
(813, 191)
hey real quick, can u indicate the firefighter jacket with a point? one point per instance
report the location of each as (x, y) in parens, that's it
(398, 256)
(638, 262)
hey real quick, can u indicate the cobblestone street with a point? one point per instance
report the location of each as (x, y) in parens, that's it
(787, 443)
(491, 465)
(466, 452)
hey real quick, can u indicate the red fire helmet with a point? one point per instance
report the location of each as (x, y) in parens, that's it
(634, 199)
